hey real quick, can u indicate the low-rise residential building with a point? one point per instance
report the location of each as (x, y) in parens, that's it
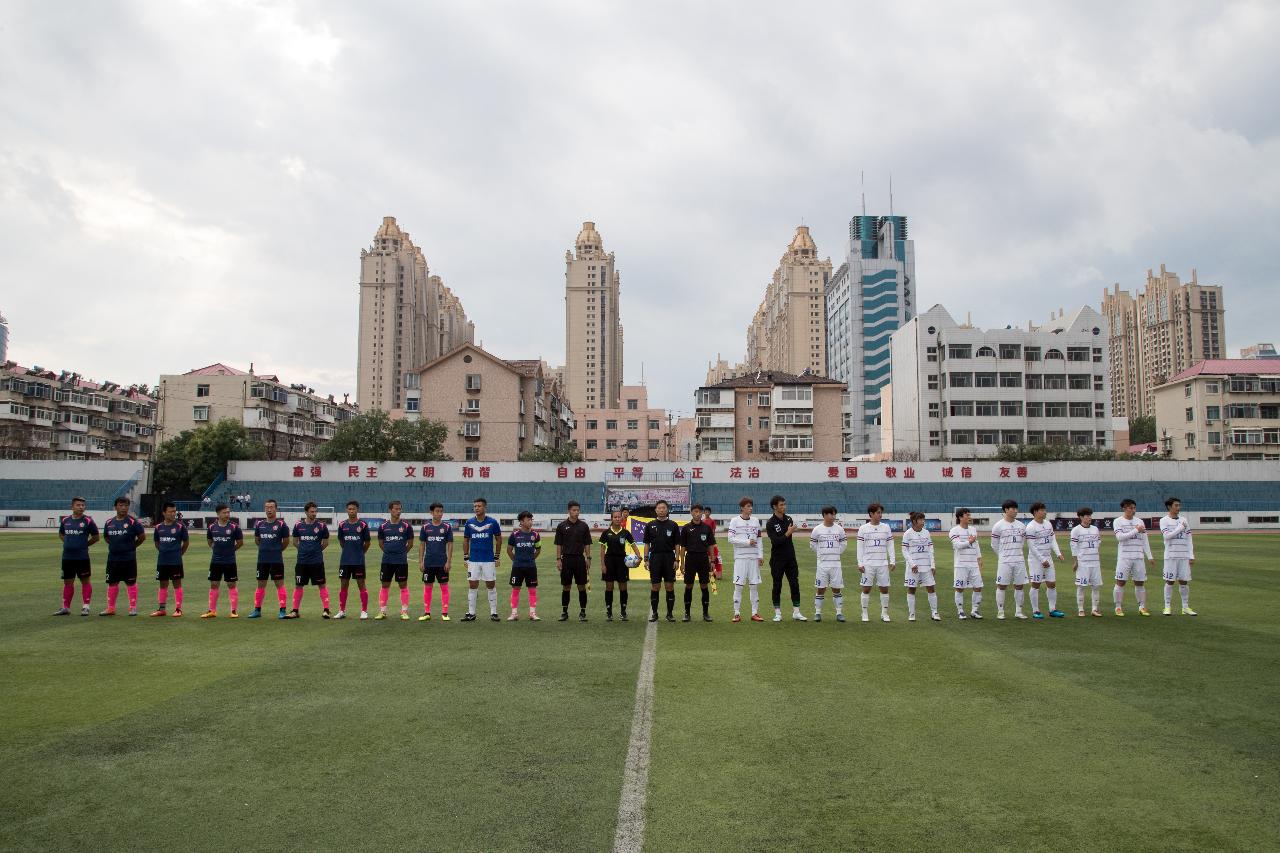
(768, 414)
(46, 414)
(631, 432)
(290, 420)
(960, 392)
(1221, 409)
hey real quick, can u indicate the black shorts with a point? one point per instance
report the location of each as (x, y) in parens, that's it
(697, 566)
(432, 574)
(309, 574)
(72, 569)
(784, 567)
(525, 575)
(662, 567)
(615, 569)
(122, 571)
(395, 572)
(349, 572)
(573, 569)
(170, 573)
(273, 571)
(223, 572)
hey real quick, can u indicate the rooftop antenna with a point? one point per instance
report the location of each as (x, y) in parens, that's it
(891, 193)
(862, 177)
(642, 373)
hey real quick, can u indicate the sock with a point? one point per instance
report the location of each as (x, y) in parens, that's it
(1079, 598)
(911, 605)
(1017, 598)
(259, 594)
(343, 593)
(471, 599)
(959, 601)
(515, 597)
(582, 598)
(177, 598)
(1095, 595)
(1117, 595)
(1168, 595)
(1000, 596)
(737, 598)
(444, 598)
(933, 602)
(817, 604)
(68, 590)
(564, 600)
(884, 602)
(653, 601)
(688, 598)
(282, 595)
(838, 599)
(113, 590)
(493, 599)
(324, 597)
(383, 594)
(404, 598)
(608, 600)
(132, 592)
(1185, 591)
(162, 597)
(533, 597)
(977, 599)
(706, 599)
(426, 598)
(622, 599)
(1035, 599)
(1140, 593)
(213, 598)
(364, 599)
(1052, 594)
(866, 601)
(671, 601)
(297, 597)
(755, 599)
(86, 592)
(233, 595)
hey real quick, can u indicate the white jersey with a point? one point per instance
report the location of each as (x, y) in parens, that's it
(917, 549)
(1177, 538)
(1008, 539)
(875, 546)
(829, 543)
(1086, 543)
(1131, 538)
(744, 530)
(1042, 544)
(966, 554)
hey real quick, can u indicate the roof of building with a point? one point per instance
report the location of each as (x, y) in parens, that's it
(765, 378)
(216, 369)
(527, 366)
(75, 380)
(803, 240)
(1229, 367)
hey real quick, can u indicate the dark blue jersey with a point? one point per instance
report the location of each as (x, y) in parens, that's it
(122, 537)
(352, 535)
(75, 536)
(222, 541)
(271, 536)
(526, 545)
(435, 540)
(396, 537)
(311, 537)
(168, 539)
(480, 534)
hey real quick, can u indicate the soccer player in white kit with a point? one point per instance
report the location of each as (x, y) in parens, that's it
(876, 557)
(1086, 557)
(1179, 557)
(744, 536)
(828, 540)
(1008, 540)
(967, 558)
(917, 556)
(1133, 558)
(1042, 550)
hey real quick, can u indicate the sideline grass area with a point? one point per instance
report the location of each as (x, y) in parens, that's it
(1072, 734)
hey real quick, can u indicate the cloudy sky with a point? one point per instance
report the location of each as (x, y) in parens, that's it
(190, 182)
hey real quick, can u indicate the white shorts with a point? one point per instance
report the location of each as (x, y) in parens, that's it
(968, 578)
(830, 576)
(486, 572)
(875, 576)
(1089, 576)
(1177, 570)
(916, 580)
(1131, 569)
(746, 571)
(1011, 573)
(1043, 574)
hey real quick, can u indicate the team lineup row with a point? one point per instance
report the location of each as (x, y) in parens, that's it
(1025, 554)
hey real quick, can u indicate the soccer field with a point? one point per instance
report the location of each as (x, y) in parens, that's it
(1118, 734)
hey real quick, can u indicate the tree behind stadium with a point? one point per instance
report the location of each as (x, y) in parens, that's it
(375, 437)
(187, 463)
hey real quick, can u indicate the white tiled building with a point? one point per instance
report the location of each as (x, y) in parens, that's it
(959, 392)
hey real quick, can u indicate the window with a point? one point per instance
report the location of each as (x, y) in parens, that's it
(796, 393)
(1191, 413)
(961, 408)
(764, 398)
(1010, 351)
(1242, 410)
(1190, 439)
(709, 396)
(1035, 410)
(592, 444)
(1035, 381)
(1055, 410)
(1211, 388)
(933, 410)
(471, 454)
(611, 424)
(962, 436)
(611, 444)
(653, 423)
(1010, 408)
(202, 390)
(593, 423)
(986, 408)
(934, 440)
(653, 444)
(1212, 413)
(1079, 353)
(1079, 381)
(984, 380)
(960, 380)
(1099, 410)
(473, 381)
(788, 418)
(1215, 437)
(986, 352)
(988, 436)
(471, 429)
(411, 404)
(1054, 383)
(1053, 354)
(933, 382)
(1080, 410)
(1010, 379)
(1011, 436)
(763, 423)
(931, 354)
(633, 444)
(748, 423)
(200, 413)
(473, 406)
(1186, 389)
(751, 446)
(959, 351)
(633, 423)
(633, 404)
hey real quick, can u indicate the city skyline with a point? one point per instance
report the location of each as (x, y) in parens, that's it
(1040, 174)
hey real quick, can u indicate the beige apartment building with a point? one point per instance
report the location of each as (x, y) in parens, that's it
(495, 409)
(407, 317)
(789, 330)
(1162, 331)
(1221, 409)
(46, 414)
(770, 415)
(593, 344)
(631, 432)
(291, 421)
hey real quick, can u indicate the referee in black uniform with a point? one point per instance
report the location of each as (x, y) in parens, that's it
(696, 541)
(573, 559)
(661, 536)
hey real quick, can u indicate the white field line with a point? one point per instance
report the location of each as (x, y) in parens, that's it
(629, 837)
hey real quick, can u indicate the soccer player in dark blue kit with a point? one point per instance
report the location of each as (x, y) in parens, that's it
(435, 560)
(124, 534)
(225, 538)
(395, 538)
(523, 547)
(272, 536)
(171, 541)
(353, 538)
(310, 538)
(77, 532)
(482, 552)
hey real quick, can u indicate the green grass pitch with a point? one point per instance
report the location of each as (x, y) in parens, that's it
(1117, 734)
